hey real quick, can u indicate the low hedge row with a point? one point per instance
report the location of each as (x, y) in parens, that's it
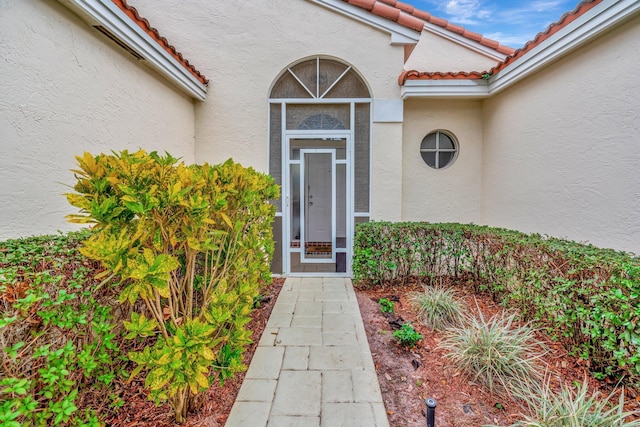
(583, 296)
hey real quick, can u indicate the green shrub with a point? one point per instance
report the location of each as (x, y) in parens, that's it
(583, 296)
(494, 353)
(58, 341)
(407, 335)
(192, 244)
(568, 408)
(437, 307)
(386, 306)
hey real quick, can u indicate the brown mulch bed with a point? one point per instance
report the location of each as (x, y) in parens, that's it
(409, 376)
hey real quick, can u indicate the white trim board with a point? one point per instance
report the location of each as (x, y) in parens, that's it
(446, 88)
(106, 14)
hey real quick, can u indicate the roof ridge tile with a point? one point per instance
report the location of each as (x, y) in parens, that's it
(565, 19)
(413, 18)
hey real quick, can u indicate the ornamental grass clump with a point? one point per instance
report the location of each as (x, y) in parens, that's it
(496, 353)
(574, 408)
(190, 247)
(437, 307)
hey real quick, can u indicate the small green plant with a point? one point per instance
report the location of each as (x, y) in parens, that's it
(569, 408)
(407, 335)
(386, 305)
(58, 346)
(495, 353)
(437, 307)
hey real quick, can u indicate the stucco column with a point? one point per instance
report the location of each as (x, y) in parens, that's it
(386, 171)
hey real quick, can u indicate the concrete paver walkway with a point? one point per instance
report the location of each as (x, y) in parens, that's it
(313, 366)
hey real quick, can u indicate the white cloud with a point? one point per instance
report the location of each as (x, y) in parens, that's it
(544, 5)
(511, 22)
(467, 12)
(509, 39)
(534, 13)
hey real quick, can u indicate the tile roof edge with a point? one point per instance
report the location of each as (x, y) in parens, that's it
(568, 17)
(143, 23)
(552, 29)
(439, 75)
(410, 17)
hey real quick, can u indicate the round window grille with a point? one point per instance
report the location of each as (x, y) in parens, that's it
(439, 149)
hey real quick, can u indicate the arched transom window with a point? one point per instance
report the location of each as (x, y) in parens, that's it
(320, 78)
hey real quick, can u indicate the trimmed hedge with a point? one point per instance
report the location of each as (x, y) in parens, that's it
(583, 296)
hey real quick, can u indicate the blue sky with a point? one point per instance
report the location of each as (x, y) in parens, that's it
(511, 22)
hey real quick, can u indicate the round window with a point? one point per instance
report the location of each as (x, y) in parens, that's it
(439, 149)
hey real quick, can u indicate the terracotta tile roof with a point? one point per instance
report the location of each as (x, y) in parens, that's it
(144, 24)
(410, 17)
(458, 75)
(565, 20)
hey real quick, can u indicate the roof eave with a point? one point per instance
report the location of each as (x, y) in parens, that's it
(585, 28)
(108, 15)
(400, 35)
(445, 88)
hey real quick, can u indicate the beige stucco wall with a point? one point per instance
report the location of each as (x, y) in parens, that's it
(67, 89)
(243, 46)
(435, 53)
(562, 148)
(451, 194)
(386, 173)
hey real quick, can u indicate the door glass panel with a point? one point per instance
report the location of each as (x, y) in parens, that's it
(339, 143)
(318, 206)
(321, 116)
(276, 261)
(361, 158)
(297, 266)
(361, 220)
(275, 149)
(295, 203)
(341, 206)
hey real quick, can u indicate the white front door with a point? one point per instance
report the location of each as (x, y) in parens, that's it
(319, 183)
(317, 192)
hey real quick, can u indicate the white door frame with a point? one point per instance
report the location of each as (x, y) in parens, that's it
(287, 250)
(303, 205)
